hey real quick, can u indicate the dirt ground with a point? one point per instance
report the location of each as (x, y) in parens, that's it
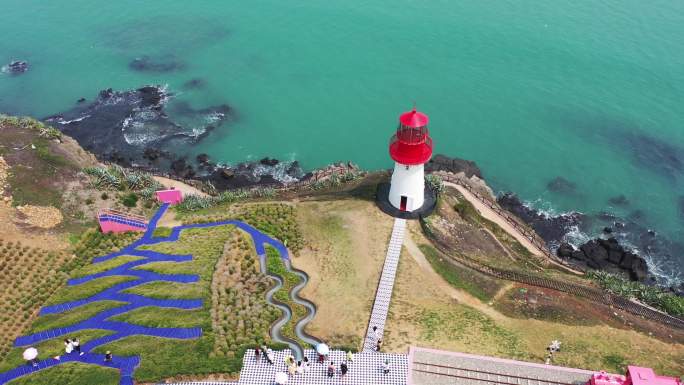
(345, 246)
(427, 311)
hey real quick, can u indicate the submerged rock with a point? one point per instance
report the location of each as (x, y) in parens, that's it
(16, 67)
(619, 200)
(161, 64)
(194, 84)
(561, 185)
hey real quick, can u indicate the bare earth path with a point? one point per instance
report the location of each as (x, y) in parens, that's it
(491, 215)
(185, 188)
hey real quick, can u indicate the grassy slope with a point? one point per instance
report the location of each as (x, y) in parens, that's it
(64, 374)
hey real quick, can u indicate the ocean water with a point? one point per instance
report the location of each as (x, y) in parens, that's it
(591, 90)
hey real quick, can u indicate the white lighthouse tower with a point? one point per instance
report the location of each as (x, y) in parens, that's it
(411, 148)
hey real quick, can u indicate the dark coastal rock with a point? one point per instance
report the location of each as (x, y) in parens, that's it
(606, 254)
(561, 185)
(269, 161)
(81, 100)
(181, 168)
(203, 158)
(607, 230)
(441, 162)
(272, 173)
(158, 64)
(194, 84)
(132, 127)
(16, 67)
(551, 228)
(619, 200)
(152, 153)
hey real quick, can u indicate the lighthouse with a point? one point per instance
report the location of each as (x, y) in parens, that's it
(410, 148)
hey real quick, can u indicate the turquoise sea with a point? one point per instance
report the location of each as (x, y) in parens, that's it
(591, 90)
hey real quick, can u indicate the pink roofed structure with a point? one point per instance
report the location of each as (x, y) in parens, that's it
(170, 196)
(113, 221)
(636, 375)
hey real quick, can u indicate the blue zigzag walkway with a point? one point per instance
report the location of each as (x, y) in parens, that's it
(127, 365)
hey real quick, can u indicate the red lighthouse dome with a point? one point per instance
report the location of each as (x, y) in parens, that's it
(411, 144)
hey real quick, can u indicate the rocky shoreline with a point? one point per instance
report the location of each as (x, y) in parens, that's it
(613, 251)
(134, 129)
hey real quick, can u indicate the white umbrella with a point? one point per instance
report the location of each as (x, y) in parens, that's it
(322, 349)
(30, 354)
(281, 378)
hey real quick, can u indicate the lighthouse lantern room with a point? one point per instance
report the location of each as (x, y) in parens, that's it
(410, 148)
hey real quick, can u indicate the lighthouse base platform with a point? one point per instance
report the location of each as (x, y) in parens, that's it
(382, 200)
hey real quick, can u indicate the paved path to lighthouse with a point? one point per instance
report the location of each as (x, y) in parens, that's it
(384, 293)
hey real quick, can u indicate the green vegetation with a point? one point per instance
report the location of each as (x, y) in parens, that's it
(168, 290)
(43, 130)
(93, 243)
(335, 180)
(129, 200)
(135, 183)
(276, 266)
(435, 183)
(88, 289)
(162, 232)
(103, 266)
(240, 315)
(74, 316)
(615, 363)
(279, 220)
(481, 287)
(168, 267)
(70, 373)
(652, 295)
(164, 318)
(463, 324)
(196, 202)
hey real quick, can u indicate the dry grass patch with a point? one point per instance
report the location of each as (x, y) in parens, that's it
(345, 242)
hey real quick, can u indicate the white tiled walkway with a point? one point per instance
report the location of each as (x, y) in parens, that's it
(384, 293)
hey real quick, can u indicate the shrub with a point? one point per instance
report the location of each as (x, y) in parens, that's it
(129, 200)
(104, 196)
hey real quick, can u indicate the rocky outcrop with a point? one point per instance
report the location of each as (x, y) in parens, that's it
(16, 67)
(551, 228)
(132, 127)
(454, 165)
(606, 254)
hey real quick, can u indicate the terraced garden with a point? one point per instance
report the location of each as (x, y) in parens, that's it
(164, 306)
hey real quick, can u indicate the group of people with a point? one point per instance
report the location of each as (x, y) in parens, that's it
(71, 346)
(302, 366)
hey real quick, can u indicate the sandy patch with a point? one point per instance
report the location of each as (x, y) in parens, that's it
(38, 216)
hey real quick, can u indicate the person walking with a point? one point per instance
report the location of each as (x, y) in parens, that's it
(376, 333)
(269, 356)
(108, 356)
(68, 346)
(291, 369)
(378, 346)
(321, 358)
(343, 369)
(257, 354)
(300, 367)
(306, 364)
(77, 346)
(386, 367)
(289, 360)
(331, 369)
(350, 356)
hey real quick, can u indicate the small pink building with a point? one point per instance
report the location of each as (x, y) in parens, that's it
(113, 221)
(171, 196)
(635, 376)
